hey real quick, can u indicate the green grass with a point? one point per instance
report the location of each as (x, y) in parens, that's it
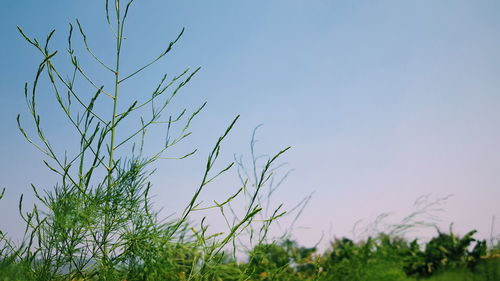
(487, 270)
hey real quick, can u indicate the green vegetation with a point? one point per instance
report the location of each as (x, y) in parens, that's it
(98, 222)
(376, 258)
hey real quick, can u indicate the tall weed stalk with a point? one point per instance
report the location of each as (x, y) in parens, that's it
(98, 222)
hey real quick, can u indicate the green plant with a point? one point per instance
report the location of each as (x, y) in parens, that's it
(269, 260)
(98, 222)
(447, 251)
(261, 178)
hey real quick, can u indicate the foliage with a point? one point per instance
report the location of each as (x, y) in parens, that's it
(394, 258)
(282, 261)
(98, 222)
(447, 251)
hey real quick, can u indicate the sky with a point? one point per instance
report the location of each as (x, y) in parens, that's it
(381, 101)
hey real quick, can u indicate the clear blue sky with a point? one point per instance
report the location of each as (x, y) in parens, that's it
(382, 101)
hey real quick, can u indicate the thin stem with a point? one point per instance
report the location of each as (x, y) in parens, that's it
(115, 99)
(156, 59)
(111, 166)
